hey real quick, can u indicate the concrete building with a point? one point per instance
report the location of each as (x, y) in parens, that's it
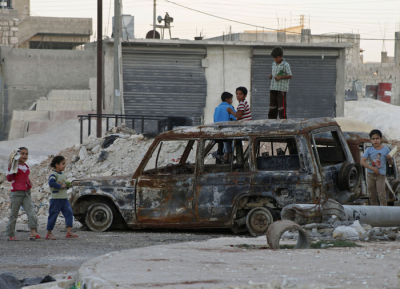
(19, 29)
(186, 78)
(39, 87)
(358, 73)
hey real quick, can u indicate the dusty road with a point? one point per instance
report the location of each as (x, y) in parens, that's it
(25, 258)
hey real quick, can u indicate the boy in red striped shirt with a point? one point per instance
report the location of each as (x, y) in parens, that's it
(243, 109)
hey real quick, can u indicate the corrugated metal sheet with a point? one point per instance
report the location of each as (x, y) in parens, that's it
(164, 83)
(312, 90)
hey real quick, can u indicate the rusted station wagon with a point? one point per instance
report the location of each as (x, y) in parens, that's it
(179, 184)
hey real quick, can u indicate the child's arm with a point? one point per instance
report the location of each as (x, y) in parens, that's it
(277, 78)
(287, 71)
(390, 159)
(365, 165)
(53, 183)
(237, 114)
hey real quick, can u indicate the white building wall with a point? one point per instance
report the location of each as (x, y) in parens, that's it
(228, 68)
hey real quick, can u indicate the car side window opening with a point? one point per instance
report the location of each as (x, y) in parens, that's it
(172, 157)
(276, 154)
(218, 159)
(328, 148)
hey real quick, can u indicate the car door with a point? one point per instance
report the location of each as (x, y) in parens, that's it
(220, 184)
(283, 170)
(165, 188)
(330, 156)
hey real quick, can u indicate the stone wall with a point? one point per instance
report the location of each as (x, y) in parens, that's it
(9, 28)
(371, 74)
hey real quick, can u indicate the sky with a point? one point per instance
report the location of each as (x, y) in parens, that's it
(372, 19)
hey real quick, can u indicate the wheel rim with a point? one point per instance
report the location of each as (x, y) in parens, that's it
(99, 217)
(258, 221)
(353, 178)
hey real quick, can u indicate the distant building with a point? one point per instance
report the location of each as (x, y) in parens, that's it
(21, 30)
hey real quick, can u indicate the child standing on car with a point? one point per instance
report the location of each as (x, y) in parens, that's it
(59, 201)
(377, 155)
(280, 76)
(20, 194)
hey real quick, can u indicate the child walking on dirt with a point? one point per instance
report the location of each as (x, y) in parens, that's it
(59, 201)
(20, 195)
(377, 155)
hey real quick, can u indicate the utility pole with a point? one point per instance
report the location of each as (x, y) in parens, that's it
(117, 43)
(99, 64)
(154, 20)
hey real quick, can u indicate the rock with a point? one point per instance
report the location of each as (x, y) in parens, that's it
(366, 236)
(83, 153)
(75, 158)
(317, 225)
(103, 156)
(96, 149)
(392, 236)
(326, 231)
(93, 144)
(3, 178)
(107, 174)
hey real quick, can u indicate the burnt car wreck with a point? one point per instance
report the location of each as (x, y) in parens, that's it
(274, 163)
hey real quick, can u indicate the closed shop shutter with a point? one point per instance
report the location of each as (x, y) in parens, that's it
(164, 82)
(312, 90)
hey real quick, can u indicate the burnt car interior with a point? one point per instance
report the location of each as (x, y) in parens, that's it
(237, 161)
(329, 148)
(277, 154)
(172, 157)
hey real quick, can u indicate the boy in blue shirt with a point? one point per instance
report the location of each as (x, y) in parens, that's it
(377, 155)
(221, 114)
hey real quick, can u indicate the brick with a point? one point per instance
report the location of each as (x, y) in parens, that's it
(14, 29)
(13, 40)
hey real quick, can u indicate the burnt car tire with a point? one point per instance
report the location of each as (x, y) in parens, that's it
(349, 177)
(258, 221)
(99, 217)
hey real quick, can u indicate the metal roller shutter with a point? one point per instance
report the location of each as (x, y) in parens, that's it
(164, 82)
(312, 90)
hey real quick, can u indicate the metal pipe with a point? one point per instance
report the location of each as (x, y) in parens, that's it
(99, 64)
(376, 216)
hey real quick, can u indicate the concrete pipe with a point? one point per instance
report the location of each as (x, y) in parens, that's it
(276, 230)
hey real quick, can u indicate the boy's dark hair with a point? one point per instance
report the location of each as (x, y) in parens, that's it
(56, 161)
(277, 51)
(375, 131)
(22, 148)
(226, 95)
(242, 89)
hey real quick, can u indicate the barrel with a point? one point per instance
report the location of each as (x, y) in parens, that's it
(385, 92)
(371, 91)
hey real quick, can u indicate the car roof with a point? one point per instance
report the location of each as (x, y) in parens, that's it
(266, 127)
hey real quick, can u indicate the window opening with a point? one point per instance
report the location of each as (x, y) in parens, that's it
(329, 148)
(277, 154)
(226, 155)
(172, 157)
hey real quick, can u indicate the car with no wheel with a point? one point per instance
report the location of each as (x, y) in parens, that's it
(180, 184)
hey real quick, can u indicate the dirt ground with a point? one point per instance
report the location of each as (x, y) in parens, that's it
(26, 258)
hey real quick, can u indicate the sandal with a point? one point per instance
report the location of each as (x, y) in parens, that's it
(33, 238)
(12, 239)
(69, 235)
(50, 237)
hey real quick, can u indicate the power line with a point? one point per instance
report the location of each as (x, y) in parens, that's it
(263, 27)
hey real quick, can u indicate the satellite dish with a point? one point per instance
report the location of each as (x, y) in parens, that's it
(159, 19)
(149, 35)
